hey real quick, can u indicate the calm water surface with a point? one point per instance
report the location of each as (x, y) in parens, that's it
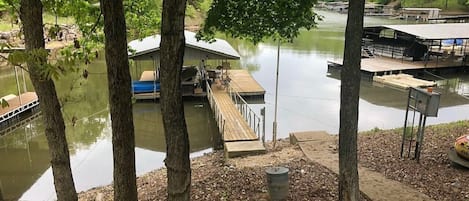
(308, 100)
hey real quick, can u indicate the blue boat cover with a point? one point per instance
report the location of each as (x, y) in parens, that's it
(452, 42)
(145, 86)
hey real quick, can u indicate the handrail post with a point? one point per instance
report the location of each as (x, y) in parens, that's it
(263, 125)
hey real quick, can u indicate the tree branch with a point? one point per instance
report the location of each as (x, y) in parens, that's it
(17, 65)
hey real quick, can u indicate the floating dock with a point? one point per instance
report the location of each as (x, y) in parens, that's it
(385, 65)
(403, 81)
(17, 105)
(239, 126)
(244, 83)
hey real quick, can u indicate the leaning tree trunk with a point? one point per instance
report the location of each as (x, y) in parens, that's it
(31, 16)
(172, 108)
(123, 137)
(349, 96)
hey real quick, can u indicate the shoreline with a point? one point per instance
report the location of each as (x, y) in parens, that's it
(434, 176)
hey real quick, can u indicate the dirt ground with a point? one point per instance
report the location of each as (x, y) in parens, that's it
(320, 147)
(214, 178)
(434, 175)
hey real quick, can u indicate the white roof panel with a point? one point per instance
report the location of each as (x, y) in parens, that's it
(434, 31)
(151, 44)
(420, 9)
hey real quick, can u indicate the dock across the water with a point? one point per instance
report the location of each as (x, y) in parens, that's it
(17, 105)
(390, 72)
(385, 65)
(402, 81)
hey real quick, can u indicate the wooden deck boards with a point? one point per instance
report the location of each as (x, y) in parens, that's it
(403, 81)
(244, 83)
(242, 148)
(384, 64)
(236, 128)
(14, 103)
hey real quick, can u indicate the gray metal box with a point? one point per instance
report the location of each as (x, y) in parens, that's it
(427, 102)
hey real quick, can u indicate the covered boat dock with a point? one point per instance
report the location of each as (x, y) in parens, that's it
(193, 80)
(388, 49)
(238, 125)
(396, 49)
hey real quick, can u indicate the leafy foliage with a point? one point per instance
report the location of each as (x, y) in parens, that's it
(56, 7)
(4, 103)
(451, 5)
(256, 20)
(143, 18)
(464, 2)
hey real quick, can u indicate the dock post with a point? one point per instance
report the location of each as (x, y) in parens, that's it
(274, 134)
(263, 125)
(18, 86)
(24, 81)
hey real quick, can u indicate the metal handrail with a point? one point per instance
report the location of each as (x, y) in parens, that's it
(247, 112)
(217, 114)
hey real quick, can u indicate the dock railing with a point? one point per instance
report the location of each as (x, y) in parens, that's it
(247, 112)
(388, 50)
(218, 115)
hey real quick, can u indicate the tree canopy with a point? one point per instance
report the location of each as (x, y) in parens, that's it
(257, 20)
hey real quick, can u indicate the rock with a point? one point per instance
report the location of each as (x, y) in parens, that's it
(99, 197)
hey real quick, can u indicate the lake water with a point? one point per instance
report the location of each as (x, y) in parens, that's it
(308, 99)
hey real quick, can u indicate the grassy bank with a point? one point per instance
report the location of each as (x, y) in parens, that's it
(445, 5)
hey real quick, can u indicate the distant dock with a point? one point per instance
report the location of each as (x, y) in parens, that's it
(403, 81)
(411, 48)
(380, 65)
(17, 105)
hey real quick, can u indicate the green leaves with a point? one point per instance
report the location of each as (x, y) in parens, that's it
(142, 17)
(4, 103)
(256, 20)
(68, 61)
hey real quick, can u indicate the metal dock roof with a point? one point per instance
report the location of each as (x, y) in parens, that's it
(432, 31)
(220, 49)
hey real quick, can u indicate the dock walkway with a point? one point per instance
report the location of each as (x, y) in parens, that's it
(240, 135)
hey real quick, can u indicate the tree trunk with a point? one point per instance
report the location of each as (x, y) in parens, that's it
(349, 97)
(172, 108)
(31, 16)
(120, 100)
(1, 194)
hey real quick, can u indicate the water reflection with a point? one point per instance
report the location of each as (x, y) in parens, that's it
(150, 133)
(25, 172)
(24, 156)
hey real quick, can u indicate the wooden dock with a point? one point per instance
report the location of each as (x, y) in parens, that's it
(239, 136)
(402, 81)
(388, 65)
(18, 105)
(244, 83)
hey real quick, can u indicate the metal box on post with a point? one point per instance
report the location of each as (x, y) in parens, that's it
(426, 102)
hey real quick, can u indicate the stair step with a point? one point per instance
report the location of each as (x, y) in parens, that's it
(243, 148)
